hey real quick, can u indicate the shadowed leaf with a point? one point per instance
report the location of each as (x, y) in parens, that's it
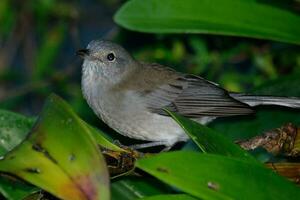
(170, 197)
(13, 189)
(129, 188)
(208, 140)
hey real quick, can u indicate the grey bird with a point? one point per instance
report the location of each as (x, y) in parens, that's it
(130, 96)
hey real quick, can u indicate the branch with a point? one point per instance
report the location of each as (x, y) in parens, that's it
(281, 141)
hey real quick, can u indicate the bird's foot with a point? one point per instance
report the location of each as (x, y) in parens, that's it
(137, 147)
(151, 144)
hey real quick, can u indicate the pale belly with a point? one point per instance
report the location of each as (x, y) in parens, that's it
(144, 125)
(128, 115)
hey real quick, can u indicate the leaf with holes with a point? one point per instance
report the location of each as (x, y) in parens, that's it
(60, 156)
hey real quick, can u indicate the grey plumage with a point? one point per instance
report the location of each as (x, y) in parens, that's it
(195, 97)
(255, 100)
(131, 96)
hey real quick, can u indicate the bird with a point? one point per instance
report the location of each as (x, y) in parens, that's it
(132, 96)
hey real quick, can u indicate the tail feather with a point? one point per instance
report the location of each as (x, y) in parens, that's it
(253, 100)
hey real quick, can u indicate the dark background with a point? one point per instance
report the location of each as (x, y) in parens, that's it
(39, 38)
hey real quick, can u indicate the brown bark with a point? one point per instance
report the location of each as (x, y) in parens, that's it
(281, 141)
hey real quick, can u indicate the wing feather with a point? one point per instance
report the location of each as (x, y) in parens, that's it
(194, 97)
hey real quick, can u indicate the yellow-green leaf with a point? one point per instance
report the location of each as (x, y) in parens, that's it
(60, 156)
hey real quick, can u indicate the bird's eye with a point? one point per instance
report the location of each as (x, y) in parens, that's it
(110, 56)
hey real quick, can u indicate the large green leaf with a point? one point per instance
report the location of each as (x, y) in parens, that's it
(60, 155)
(170, 197)
(266, 117)
(210, 176)
(129, 188)
(224, 17)
(208, 140)
(13, 130)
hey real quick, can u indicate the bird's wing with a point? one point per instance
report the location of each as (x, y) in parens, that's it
(193, 97)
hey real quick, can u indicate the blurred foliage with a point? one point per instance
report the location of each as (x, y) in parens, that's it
(38, 39)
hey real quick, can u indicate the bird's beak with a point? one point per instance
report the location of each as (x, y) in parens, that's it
(83, 53)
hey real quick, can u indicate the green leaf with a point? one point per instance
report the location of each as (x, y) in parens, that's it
(210, 176)
(129, 188)
(15, 189)
(101, 138)
(60, 155)
(208, 140)
(170, 197)
(230, 17)
(13, 129)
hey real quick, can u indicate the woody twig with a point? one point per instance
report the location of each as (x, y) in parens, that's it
(281, 141)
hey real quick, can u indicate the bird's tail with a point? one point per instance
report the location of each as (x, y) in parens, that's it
(253, 100)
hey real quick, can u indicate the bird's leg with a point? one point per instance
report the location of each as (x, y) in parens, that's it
(150, 144)
(167, 148)
(118, 143)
